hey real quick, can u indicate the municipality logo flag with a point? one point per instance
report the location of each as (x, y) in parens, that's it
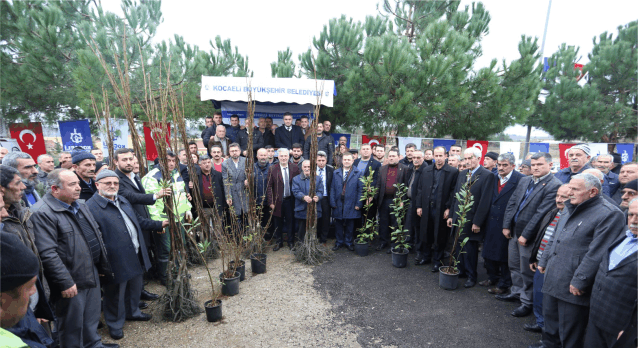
(74, 134)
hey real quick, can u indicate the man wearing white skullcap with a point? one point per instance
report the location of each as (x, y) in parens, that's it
(578, 156)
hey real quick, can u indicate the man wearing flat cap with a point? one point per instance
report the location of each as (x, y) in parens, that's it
(84, 168)
(122, 232)
(578, 156)
(490, 161)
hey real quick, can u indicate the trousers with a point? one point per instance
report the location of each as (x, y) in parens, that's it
(565, 323)
(122, 300)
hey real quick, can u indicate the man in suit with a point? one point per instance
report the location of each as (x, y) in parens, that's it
(345, 200)
(572, 259)
(614, 291)
(280, 199)
(532, 199)
(412, 220)
(325, 172)
(324, 143)
(367, 164)
(482, 189)
(211, 189)
(261, 170)
(390, 175)
(235, 182)
(288, 134)
(121, 230)
(435, 194)
(495, 244)
(130, 187)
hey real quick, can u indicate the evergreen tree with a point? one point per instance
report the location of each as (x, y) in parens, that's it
(284, 66)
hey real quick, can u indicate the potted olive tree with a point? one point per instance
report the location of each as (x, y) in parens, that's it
(399, 208)
(213, 306)
(449, 275)
(368, 231)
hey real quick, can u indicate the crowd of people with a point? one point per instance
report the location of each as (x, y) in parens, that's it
(563, 245)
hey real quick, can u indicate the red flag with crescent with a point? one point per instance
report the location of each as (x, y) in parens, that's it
(373, 139)
(29, 137)
(479, 144)
(151, 150)
(563, 149)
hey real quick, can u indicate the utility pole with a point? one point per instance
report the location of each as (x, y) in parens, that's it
(540, 61)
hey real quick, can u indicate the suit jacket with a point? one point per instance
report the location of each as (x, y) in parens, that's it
(495, 244)
(327, 183)
(573, 256)
(137, 196)
(275, 188)
(402, 178)
(482, 190)
(234, 184)
(611, 184)
(538, 203)
(372, 165)
(345, 209)
(217, 187)
(285, 139)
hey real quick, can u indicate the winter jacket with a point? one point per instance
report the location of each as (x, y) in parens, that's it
(152, 184)
(301, 188)
(324, 144)
(343, 206)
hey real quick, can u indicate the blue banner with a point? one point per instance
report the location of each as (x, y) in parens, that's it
(447, 143)
(626, 152)
(539, 147)
(74, 134)
(336, 136)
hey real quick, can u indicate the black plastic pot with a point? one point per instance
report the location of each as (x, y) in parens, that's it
(258, 263)
(399, 258)
(230, 286)
(213, 313)
(241, 269)
(448, 280)
(361, 248)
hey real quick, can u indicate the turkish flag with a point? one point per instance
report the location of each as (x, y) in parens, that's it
(479, 144)
(29, 137)
(373, 139)
(151, 150)
(563, 149)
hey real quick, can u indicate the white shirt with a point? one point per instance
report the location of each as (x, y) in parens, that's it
(505, 179)
(322, 173)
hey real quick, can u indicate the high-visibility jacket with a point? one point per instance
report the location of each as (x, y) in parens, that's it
(152, 184)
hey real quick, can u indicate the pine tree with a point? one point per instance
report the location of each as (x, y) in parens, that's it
(284, 66)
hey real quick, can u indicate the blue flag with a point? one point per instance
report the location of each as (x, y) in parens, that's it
(539, 147)
(336, 137)
(447, 143)
(74, 134)
(626, 152)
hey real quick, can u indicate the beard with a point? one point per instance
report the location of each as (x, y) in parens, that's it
(107, 194)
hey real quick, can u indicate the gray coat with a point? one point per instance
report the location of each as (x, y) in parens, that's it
(234, 184)
(539, 202)
(582, 237)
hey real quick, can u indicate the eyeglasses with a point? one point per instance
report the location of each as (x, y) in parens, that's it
(111, 183)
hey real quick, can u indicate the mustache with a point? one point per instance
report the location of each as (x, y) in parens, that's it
(633, 226)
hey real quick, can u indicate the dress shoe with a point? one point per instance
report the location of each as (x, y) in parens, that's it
(419, 262)
(382, 246)
(509, 297)
(537, 345)
(141, 317)
(336, 247)
(116, 334)
(143, 305)
(469, 283)
(436, 267)
(487, 283)
(351, 247)
(277, 247)
(532, 327)
(148, 296)
(522, 311)
(110, 345)
(496, 291)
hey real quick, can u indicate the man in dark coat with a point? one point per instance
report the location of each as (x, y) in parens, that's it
(211, 190)
(495, 244)
(28, 172)
(366, 164)
(482, 189)
(288, 134)
(128, 256)
(435, 194)
(242, 139)
(390, 175)
(260, 180)
(267, 135)
(579, 156)
(572, 259)
(532, 199)
(628, 172)
(613, 295)
(412, 220)
(345, 200)
(84, 168)
(326, 173)
(280, 199)
(211, 128)
(324, 143)
(303, 197)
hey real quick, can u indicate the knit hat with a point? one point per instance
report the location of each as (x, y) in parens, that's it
(79, 156)
(583, 147)
(14, 274)
(106, 173)
(98, 165)
(617, 157)
(492, 155)
(527, 163)
(632, 185)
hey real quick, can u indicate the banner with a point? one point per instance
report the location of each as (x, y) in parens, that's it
(119, 132)
(276, 112)
(479, 144)
(151, 150)
(75, 134)
(447, 143)
(598, 149)
(513, 147)
(626, 152)
(562, 150)
(372, 139)
(539, 147)
(29, 137)
(336, 137)
(273, 90)
(403, 141)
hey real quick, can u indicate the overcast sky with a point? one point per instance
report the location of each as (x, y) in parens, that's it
(261, 28)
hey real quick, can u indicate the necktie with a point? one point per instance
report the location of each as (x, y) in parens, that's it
(323, 180)
(288, 128)
(286, 189)
(345, 180)
(345, 176)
